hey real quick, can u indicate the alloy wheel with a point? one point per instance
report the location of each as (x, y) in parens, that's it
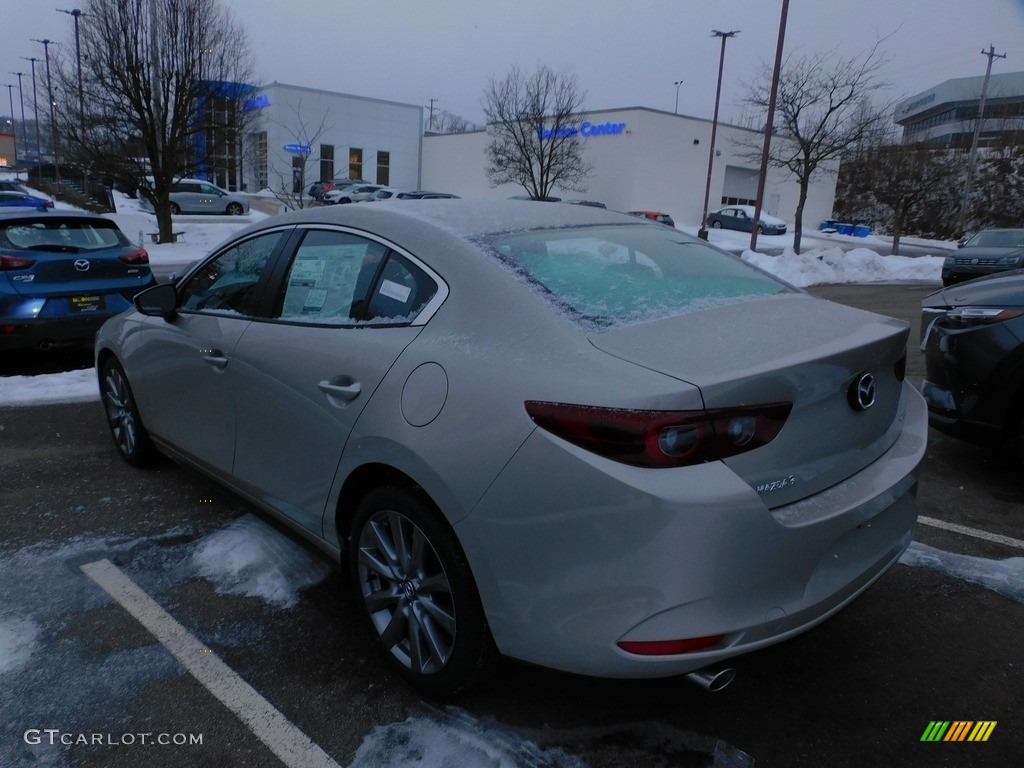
(406, 591)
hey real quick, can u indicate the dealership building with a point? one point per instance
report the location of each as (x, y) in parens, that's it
(302, 135)
(945, 115)
(642, 159)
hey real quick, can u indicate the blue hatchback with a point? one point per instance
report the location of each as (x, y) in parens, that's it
(15, 199)
(61, 275)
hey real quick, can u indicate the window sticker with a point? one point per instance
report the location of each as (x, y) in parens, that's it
(394, 291)
(314, 300)
(307, 272)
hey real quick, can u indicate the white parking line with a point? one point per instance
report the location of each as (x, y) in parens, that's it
(292, 746)
(976, 533)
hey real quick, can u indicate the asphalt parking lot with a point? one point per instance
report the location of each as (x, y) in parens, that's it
(90, 685)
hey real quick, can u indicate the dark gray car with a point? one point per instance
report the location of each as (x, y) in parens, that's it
(988, 252)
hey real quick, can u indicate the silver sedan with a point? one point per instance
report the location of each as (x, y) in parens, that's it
(554, 433)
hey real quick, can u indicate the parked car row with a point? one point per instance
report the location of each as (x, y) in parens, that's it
(361, 193)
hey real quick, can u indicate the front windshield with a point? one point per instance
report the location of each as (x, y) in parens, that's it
(611, 275)
(997, 238)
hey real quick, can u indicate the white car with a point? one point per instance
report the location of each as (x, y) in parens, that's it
(356, 194)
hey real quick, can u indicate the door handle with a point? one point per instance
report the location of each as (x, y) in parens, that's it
(346, 391)
(216, 358)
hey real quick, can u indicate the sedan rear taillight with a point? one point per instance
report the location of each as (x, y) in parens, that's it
(136, 257)
(14, 262)
(662, 438)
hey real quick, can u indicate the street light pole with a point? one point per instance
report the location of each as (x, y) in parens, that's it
(10, 96)
(75, 14)
(35, 114)
(702, 233)
(53, 119)
(21, 98)
(677, 83)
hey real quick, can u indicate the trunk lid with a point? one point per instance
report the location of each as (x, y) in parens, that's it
(787, 348)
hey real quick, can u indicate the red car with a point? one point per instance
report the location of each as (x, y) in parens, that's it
(658, 216)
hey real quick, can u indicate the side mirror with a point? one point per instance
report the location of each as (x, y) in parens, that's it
(158, 301)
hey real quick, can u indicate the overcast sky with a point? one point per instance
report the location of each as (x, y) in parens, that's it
(624, 52)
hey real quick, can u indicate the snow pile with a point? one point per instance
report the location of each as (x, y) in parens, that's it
(17, 642)
(68, 387)
(250, 558)
(833, 265)
(1003, 576)
(454, 738)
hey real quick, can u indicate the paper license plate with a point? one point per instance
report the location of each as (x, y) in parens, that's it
(86, 303)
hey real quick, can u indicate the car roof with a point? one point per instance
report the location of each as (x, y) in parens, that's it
(49, 213)
(465, 219)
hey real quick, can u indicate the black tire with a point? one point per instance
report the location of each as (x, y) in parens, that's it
(130, 436)
(413, 585)
(175, 209)
(234, 209)
(716, 224)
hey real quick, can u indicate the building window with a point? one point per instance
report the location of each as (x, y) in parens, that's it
(355, 163)
(383, 168)
(298, 173)
(260, 169)
(326, 162)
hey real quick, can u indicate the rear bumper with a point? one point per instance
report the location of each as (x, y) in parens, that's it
(573, 554)
(40, 323)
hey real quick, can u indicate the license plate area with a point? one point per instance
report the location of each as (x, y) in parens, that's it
(86, 304)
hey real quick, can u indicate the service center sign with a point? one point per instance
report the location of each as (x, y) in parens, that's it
(586, 129)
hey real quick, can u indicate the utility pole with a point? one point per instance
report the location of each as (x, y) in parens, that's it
(21, 98)
(53, 119)
(35, 114)
(430, 120)
(677, 83)
(702, 233)
(991, 53)
(768, 126)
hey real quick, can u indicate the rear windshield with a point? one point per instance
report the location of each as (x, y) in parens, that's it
(53, 233)
(614, 275)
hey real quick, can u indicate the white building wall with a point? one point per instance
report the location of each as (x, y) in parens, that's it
(294, 114)
(659, 162)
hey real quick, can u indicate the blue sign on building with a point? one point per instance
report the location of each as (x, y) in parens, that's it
(298, 149)
(586, 129)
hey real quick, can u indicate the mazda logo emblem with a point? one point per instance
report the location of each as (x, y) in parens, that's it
(862, 392)
(82, 265)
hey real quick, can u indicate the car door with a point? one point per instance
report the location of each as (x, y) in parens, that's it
(346, 311)
(186, 359)
(210, 199)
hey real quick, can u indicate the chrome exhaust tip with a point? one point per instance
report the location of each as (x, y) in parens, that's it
(712, 680)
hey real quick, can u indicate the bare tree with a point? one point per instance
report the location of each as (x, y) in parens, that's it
(165, 82)
(824, 106)
(534, 143)
(449, 122)
(904, 182)
(294, 170)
